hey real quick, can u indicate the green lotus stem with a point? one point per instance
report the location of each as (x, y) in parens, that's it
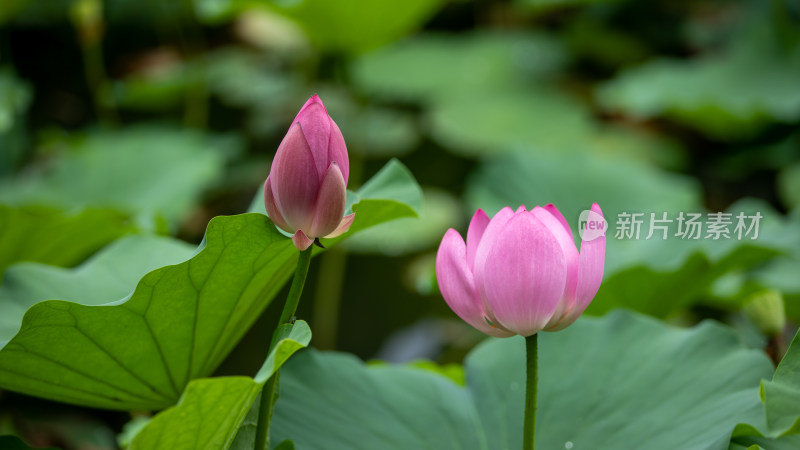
(269, 395)
(297, 287)
(531, 384)
(269, 392)
(87, 17)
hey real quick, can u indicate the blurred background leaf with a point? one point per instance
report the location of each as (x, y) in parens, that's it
(147, 170)
(47, 235)
(732, 93)
(353, 26)
(457, 64)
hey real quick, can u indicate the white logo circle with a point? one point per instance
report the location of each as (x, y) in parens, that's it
(591, 225)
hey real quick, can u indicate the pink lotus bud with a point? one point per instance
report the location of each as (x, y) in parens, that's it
(520, 272)
(306, 190)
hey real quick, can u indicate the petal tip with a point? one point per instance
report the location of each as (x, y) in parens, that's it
(301, 241)
(343, 227)
(503, 211)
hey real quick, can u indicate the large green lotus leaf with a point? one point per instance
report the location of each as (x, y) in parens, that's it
(763, 443)
(211, 410)
(354, 26)
(749, 437)
(638, 271)
(620, 381)
(716, 93)
(779, 426)
(54, 237)
(144, 170)
(394, 181)
(781, 396)
(439, 212)
(456, 65)
(140, 351)
(105, 278)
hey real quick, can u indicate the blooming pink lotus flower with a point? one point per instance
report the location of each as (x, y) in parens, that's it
(306, 190)
(520, 272)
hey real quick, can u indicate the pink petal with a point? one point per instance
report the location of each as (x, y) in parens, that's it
(272, 209)
(551, 208)
(484, 246)
(458, 285)
(301, 241)
(311, 100)
(525, 275)
(337, 151)
(477, 226)
(330, 204)
(294, 179)
(590, 275)
(571, 255)
(316, 125)
(488, 236)
(344, 225)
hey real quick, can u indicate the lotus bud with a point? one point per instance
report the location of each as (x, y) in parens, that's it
(306, 191)
(520, 272)
(766, 310)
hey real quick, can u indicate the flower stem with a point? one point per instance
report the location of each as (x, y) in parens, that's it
(297, 286)
(269, 395)
(270, 389)
(531, 384)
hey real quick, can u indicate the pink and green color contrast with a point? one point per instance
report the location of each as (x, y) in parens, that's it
(306, 191)
(519, 272)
